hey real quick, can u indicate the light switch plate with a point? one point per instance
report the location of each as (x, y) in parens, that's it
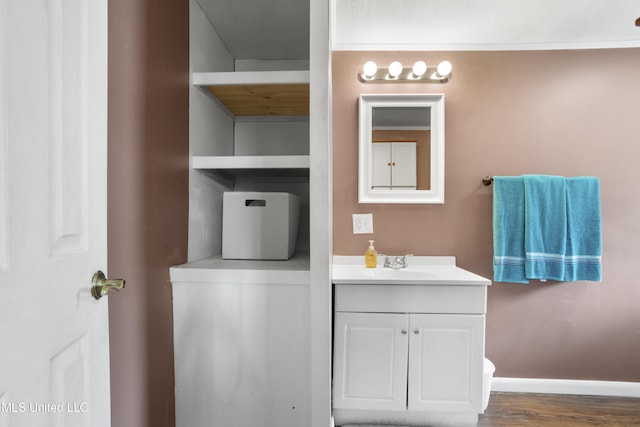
(362, 223)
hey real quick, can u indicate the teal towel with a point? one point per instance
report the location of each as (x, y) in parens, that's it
(508, 229)
(547, 228)
(584, 230)
(545, 235)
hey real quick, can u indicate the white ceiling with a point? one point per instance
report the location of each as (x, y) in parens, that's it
(279, 29)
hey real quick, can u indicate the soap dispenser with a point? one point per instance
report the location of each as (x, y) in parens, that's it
(371, 256)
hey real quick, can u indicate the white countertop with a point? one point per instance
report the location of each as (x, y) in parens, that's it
(217, 270)
(421, 270)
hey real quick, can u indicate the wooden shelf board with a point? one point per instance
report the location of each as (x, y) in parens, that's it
(264, 100)
(259, 93)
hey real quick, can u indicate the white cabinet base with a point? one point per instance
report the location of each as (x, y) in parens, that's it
(443, 382)
(242, 354)
(343, 417)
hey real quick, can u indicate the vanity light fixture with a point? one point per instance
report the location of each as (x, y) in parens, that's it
(395, 68)
(369, 70)
(444, 69)
(395, 72)
(419, 68)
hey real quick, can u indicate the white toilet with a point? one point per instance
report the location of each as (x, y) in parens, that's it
(488, 370)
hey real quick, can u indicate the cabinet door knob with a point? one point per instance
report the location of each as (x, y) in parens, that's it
(403, 332)
(416, 331)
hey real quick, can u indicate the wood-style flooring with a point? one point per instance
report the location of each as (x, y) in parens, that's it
(528, 409)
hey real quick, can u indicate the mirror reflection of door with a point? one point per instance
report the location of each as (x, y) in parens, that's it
(401, 138)
(421, 141)
(394, 165)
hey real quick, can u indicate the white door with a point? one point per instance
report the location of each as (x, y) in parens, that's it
(393, 165)
(370, 361)
(54, 357)
(381, 165)
(404, 166)
(446, 353)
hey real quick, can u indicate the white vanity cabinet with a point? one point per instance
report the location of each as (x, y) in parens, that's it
(408, 361)
(408, 350)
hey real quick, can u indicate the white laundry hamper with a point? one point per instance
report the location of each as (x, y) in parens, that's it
(259, 225)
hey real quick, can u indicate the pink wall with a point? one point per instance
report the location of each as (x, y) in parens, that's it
(510, 113)
(148, 198)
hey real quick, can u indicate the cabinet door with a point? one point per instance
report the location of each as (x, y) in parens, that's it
(403, 164)
(381, 165)
(445, 362)
(370, 361)
(242, 354)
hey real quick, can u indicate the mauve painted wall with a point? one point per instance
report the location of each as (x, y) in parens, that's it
(566, 113)
(148, 198)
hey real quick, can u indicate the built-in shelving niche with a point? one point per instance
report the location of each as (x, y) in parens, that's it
(259, 94)
(268, 105)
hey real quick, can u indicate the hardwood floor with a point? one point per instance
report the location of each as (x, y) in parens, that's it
(525, 409)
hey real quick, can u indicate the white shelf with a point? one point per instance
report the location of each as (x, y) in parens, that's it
(235, 78)
(258, 166)
(250, 162)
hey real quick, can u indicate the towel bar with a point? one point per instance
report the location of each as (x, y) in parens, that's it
(487, 180)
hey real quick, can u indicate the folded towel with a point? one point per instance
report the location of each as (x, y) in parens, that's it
(508, 229)
(545, 226)
(584, 230)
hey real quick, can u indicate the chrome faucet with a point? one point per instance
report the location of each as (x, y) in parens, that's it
(396, 261)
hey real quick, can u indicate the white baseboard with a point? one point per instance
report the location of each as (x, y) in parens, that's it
(552, 386)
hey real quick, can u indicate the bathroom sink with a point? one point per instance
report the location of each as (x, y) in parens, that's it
(422, 270)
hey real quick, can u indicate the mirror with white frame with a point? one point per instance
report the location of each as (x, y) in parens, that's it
(401, 148)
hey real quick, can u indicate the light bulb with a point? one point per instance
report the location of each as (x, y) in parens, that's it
(419, 68)
(369, 70)
(395, 68)
(444, 68)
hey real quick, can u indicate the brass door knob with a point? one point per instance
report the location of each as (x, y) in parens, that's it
(100, 285)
